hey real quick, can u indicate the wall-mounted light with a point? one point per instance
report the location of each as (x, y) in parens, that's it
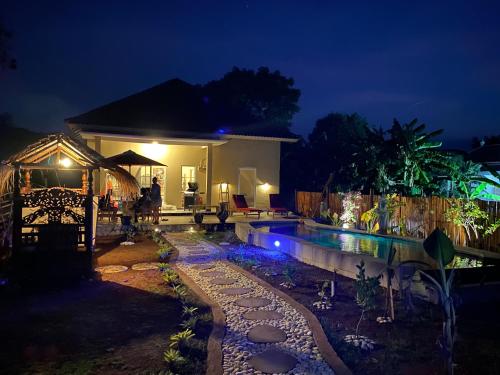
(265, 186)
(153, 150)
(277, 243)
(65, 163)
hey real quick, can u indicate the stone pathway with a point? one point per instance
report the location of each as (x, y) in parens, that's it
(264, 334)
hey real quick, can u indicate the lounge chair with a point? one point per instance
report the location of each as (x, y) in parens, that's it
(241, 205)
(276, 206)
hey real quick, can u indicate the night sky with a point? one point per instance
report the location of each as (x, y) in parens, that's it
(438, 61)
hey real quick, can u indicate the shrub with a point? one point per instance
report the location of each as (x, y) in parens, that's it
(189, 310)
(180, 339)
(370, 218)
(174, 359)
(171, 278)
(350, 205)
(179, 290)
(190, 323)
(467, 214)
(164, 252)
(366, 291)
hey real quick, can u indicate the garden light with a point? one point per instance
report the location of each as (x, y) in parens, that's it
(66, 163)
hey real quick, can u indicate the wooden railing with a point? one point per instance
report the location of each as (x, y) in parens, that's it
(420, 215)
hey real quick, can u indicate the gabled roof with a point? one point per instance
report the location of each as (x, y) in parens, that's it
(173, 105)
(173, 108)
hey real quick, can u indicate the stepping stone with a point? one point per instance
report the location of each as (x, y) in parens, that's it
(273, 361)
(197, 259)
(222, 281)
(203, 267)
(265, 334)
(235, 291)
(199, 252)
(253, 302)
(111, 269)
(212, 274)
(263, 315)
(145, 266)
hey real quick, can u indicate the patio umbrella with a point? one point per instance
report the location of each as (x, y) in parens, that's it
(131, 158)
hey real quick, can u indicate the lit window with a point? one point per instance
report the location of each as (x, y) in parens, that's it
(187, 175)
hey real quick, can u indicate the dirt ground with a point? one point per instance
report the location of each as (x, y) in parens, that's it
(115, 324)
(407, 346)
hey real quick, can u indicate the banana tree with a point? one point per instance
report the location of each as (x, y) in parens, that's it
(467, 180)
(389, 300)
(478, 192)
(418, 154)
(439, 247)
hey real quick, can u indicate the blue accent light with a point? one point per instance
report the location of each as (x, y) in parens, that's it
(277, 243)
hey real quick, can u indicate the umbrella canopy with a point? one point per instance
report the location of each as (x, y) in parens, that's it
(131, 158)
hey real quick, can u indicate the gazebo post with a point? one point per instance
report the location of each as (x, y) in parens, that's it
(89, 216)
(17, 210)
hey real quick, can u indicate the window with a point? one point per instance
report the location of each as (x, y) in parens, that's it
(187, 175)
(145, 177)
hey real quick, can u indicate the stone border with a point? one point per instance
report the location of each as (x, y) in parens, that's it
(326, 350)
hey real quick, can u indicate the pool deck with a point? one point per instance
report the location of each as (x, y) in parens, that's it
(185, 222)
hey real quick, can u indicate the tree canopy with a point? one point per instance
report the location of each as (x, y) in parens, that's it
(343, 145)
(245, 96)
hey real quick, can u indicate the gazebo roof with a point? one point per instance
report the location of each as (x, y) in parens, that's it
(131, 158)
(39, 151)
(36, 154)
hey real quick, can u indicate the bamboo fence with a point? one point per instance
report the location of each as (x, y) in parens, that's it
(420, 215)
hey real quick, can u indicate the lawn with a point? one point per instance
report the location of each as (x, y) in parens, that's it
(115, 324)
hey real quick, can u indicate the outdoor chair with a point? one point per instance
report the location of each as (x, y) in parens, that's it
(106, 208)
(276, 206)
(241, 205)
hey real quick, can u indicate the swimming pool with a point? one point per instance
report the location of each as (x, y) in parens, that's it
(361, 243)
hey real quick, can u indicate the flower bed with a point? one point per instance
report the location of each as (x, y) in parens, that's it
(187, 349)
(406, 345)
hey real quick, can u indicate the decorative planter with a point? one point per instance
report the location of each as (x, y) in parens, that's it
(126, 220)
(198, 218)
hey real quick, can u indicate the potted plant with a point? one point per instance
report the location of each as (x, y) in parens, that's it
(222, 212)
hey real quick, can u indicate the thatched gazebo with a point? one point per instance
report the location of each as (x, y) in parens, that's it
(55, 218)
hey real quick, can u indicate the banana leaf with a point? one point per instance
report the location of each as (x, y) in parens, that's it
(439, 247)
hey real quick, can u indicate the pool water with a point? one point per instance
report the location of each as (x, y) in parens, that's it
(359, 243)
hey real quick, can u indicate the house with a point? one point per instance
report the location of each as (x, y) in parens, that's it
(171, 124)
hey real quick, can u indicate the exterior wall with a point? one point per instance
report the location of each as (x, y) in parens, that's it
(174, 156)
(264, 156)
(227, 159)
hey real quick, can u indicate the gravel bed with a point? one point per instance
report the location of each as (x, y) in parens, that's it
(237, 349)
